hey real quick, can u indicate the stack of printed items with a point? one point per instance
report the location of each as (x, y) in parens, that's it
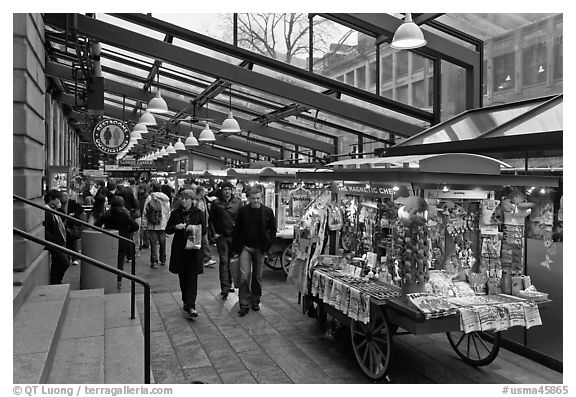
(432, 306)
(495, 312)
(342, 296)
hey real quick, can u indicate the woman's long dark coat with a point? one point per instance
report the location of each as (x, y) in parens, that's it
(178, 255)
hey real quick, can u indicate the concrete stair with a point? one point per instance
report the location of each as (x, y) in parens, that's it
(84, 336)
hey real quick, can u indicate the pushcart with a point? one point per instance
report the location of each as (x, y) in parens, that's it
(279, 256)
(393, 316)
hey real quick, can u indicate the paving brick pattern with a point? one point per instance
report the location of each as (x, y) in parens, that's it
(280, 345)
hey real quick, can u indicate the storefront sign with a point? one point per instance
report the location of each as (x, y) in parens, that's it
(136, 163)
(111, 136)
(363, 189)
(293, 185)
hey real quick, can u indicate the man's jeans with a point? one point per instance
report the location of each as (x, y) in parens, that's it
(251, 266)
(157, 236)
(224, 247)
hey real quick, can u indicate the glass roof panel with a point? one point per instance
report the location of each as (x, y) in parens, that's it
(485, 26)
(471, 124)
(219, 26)
(549, 120)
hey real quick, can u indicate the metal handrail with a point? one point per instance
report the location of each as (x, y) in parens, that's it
(107, 232)
(111, 269)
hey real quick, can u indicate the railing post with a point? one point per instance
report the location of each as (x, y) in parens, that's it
(147, 333)
(133, 283)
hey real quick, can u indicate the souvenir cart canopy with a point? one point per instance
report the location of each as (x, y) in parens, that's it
(459, 170)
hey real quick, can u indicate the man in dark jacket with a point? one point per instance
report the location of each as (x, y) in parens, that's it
(223, 214)
(254, 233)
(55, 232)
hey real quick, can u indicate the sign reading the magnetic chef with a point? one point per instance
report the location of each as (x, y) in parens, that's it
(111, 136)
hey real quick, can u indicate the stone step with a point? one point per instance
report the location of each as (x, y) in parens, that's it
(79, 356)
(123, 341)
(37, 326)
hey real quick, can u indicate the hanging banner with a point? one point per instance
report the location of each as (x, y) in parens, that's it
(111, 136)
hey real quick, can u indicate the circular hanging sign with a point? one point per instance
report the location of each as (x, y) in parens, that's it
(111, 136)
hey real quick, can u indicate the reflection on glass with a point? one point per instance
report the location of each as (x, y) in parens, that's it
(453, 90)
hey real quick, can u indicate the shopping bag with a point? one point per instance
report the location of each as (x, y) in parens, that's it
(194, 240)
(235, 271)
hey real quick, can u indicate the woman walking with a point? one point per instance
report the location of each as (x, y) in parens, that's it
(185, 223)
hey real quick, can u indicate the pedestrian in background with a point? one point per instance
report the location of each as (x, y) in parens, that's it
(154, 219)
(100, 205)
(118, 218)
(142, 195)
(204, 206)
(73, 229)
(55, 232)
(254, 233)
(187, 263)
(222, 219)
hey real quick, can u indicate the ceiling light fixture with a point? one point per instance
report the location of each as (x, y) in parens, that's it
(163, 152)
(135, 134)
(157, 104)
(147, 119)
(206, 135)
(179, 146)
(408, 35)
(170, 149)
(191, 140)
(141, 128)
(230, 125)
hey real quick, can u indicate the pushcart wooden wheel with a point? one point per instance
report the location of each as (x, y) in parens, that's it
(372, 344)
(476, 348)
(287, 259)
(273, 261)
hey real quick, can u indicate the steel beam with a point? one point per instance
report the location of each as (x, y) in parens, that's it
(65, 72)
(421, 19)
(184, 58)
(220, 46)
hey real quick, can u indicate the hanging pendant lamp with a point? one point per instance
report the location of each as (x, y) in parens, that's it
(170, 149)
(408, 35)
(157, 104)
(230, 125)
(135, 134)
(163, 152)
(147, 119)
(141, 128)
(191, 140)
(179, 146)
(206, 135)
